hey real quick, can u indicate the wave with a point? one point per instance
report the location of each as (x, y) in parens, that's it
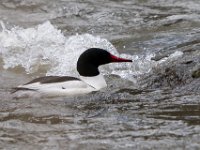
(45, 47)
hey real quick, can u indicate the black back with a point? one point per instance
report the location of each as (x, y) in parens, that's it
(90, 60)
(52, 79)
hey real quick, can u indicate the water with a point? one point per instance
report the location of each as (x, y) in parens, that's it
(152, 103)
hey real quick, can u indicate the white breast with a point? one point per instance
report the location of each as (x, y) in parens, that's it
(98, 82)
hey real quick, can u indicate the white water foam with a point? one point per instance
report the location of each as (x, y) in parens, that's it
(44, 46)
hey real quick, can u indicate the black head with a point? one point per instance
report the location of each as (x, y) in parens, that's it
(91, 59)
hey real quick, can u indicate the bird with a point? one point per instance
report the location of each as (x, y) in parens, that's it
(89, 79)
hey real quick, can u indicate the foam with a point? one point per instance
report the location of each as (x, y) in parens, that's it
(45, 47)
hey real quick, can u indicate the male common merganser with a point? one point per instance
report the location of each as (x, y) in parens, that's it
(90, 78)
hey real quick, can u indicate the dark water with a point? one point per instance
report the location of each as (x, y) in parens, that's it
(155, 109)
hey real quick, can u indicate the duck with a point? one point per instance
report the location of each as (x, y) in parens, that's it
(90, 79)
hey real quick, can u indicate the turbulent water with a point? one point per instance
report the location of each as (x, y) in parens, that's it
(152, 103)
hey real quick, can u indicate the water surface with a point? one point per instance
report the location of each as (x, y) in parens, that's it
(152, 103)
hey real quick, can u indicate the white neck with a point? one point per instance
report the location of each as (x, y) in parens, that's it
(97, 82)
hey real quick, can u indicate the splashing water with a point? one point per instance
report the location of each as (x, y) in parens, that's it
(44, 46)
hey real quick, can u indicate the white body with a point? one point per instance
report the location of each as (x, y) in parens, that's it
(72, 87)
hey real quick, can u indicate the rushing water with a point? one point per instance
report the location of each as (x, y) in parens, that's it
(152, 103)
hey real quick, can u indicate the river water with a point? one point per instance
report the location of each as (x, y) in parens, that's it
(152, 103)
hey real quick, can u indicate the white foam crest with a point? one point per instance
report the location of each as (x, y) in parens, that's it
(43, 45)
(172, 57)
(30, 47)
(46, 47)
(141, 64)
